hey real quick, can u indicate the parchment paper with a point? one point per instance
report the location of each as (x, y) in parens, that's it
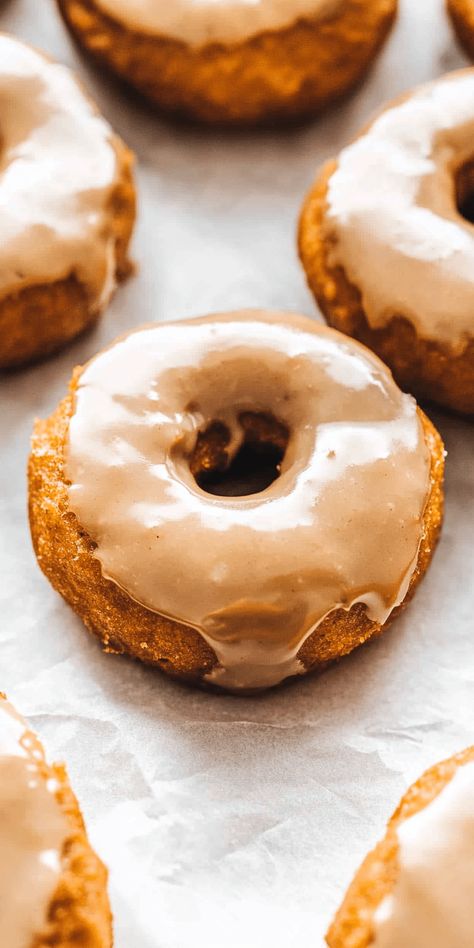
(225, 821)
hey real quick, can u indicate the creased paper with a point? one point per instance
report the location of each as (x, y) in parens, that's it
(228, 821)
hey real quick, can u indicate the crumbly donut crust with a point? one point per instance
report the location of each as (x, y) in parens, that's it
(40, 319)
(79, 911)
(352, 926)
(462, 15)
(427, 368)
(277, 75)
(65, 554)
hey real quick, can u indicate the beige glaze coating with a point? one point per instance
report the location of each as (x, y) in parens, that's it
(57, 174)
(392, 220)
(255, 574)
(200, 22)
(431, 904)
(32, 832)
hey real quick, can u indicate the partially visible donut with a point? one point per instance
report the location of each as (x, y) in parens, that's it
(415, 888)
(232, 61)
(68, 206)
(227, 584)
(387, 240)
(462, 15)
(53, 887)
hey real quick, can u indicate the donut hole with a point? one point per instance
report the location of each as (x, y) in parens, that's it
(253, 467)
(465, 191)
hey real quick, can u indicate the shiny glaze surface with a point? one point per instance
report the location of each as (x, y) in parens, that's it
(254, 574)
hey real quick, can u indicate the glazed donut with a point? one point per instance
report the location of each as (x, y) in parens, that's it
(462, 15)
(309, 554)
(387, 240)
(232, 61)
(67, 202)
(53, 887)
(415, 888)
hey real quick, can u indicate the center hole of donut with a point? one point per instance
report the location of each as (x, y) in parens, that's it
(465, 191)
(255, 465)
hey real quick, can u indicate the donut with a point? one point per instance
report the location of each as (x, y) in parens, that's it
(462, 15)
(386, 239)
(237, 499)
(68, 206)
(415, 888)
(230, 61)
(53, 887)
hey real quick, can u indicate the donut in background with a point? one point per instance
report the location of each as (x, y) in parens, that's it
(233, 62)
(68, 206)
(387, 240)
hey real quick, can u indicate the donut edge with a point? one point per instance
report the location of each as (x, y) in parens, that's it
(282, 75)
(39, 320)
(79, 909)
(375, 879)
(425, 367)
(462, 18)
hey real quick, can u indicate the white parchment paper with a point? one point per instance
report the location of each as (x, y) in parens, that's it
(225, 821)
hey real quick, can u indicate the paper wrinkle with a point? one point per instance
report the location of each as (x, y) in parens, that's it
(228, 820)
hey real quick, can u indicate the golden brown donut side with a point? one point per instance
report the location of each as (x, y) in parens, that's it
(64, 551)
(422, 366)
(287, 74)
(352, 926)
(79, 911)
(65, 554)
(462, 15)
(40, 319)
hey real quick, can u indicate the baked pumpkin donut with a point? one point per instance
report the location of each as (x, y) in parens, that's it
(232, 61)
(53, 887)
(237, 499)
(387, 240)
(67, 202)
(416, 887)
(462, 15)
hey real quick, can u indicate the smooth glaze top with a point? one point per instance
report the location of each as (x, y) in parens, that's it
(342, 523)
(57, 170)
(32, 832)
(392, 219)
(431, 906)
(199, 22)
